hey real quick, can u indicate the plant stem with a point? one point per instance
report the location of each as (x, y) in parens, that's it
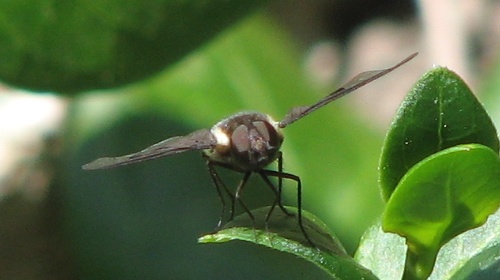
(419, 263)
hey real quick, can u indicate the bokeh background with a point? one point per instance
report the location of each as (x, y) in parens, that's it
(82, 80)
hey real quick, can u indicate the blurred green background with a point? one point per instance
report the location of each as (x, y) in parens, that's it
(163, 206)
(216, 58)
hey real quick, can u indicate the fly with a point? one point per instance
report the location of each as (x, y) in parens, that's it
(246, 142)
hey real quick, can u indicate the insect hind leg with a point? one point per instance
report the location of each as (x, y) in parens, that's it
(282, 175)
(277, 193)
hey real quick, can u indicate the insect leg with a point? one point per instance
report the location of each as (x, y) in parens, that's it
(238, 192)
(280, 185)
(218, 184)
(278, 192)
(277, 195)
(265, 173)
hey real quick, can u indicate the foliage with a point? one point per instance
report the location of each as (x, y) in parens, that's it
(445, 185)
(439, 169)
(69, 47)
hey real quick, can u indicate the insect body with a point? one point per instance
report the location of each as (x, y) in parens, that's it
(246, 142)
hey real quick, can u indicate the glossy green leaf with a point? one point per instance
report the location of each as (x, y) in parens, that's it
(382, 252)
(442, 196)
(471, 254)
(69, 46)
(282, 233)
(439, 112)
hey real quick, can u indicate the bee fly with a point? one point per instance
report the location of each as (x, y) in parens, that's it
(246, 142)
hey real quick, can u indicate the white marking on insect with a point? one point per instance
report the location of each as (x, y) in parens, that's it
(221, 137)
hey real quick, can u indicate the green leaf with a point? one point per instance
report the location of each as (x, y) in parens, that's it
(439, 112)
(283, 233)
(383, 253)
(444, 195)
(80, 45)
(481, 266)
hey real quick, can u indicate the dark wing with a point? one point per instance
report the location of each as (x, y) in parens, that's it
(360, 80)
(198, 140)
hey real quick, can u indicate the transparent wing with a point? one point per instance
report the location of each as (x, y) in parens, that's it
(360, 80)
(198, 140)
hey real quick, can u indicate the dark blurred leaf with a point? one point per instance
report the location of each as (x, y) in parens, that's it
(442, 196)
(283, 233)
(70, 46)
(438, 113)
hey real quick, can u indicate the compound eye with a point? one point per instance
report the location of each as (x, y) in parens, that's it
(240, 139)
(262, 129)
